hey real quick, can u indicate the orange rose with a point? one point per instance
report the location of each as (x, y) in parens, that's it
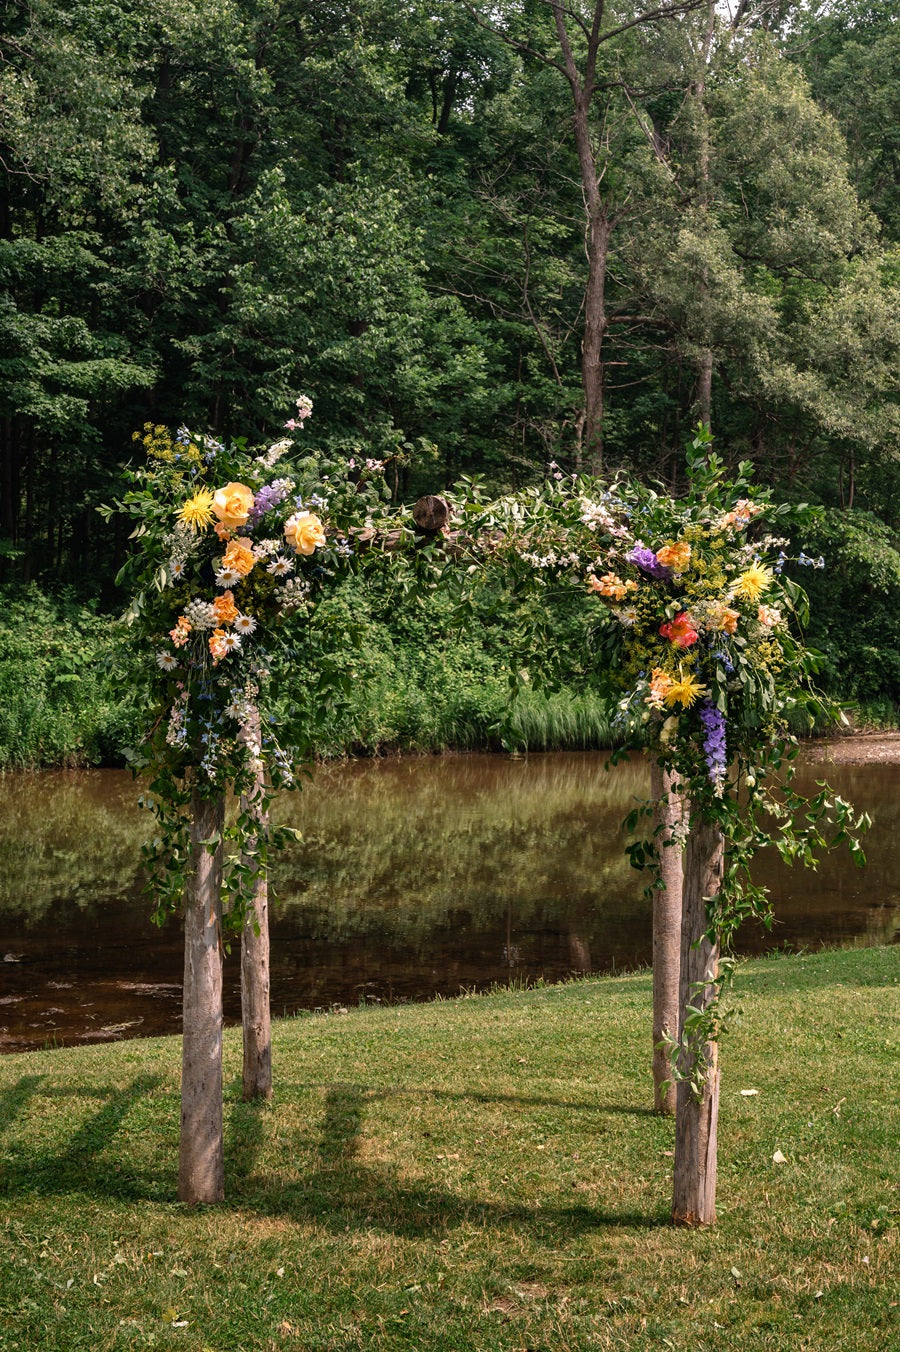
(239, 556)
(304, 532)
(675, 556)
(724, 619)
(226, 610)
(232, 504)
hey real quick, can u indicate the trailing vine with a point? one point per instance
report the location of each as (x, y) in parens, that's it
(235, 546)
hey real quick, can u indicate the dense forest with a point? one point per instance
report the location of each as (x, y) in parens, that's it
(486, 239)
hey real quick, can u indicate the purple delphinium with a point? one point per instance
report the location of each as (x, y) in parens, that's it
(646, 560)
(713, 721)
(269, 496)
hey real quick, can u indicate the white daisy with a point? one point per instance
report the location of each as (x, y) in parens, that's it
(230, 642)
(280, 566)
(244, 624)
(227, 577)
(166, 661)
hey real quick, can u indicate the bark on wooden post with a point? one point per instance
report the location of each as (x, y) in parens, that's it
(256, 1014)
(670, 808)
(696, 1124)
(201, 1169)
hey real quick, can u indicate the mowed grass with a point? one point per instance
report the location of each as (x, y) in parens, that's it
(474, 1174)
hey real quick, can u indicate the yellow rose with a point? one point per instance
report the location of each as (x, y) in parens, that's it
(232, 504)
(304, 532)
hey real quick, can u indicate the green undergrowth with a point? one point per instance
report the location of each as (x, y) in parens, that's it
(479, 1174)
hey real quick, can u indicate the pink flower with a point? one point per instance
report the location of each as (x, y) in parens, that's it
(680, 631)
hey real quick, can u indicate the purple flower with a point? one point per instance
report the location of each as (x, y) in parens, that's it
(646, 560)
(269, 496)
(714, 748)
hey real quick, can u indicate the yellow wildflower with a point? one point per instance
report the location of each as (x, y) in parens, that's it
(683, 690)
(197, 511)
(753, 582)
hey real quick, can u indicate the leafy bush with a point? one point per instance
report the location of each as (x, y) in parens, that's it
(854, 612)
(57, 705)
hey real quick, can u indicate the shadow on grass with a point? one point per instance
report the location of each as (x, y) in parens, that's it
(84, 1165)
(345, 1194)
(340, 1192)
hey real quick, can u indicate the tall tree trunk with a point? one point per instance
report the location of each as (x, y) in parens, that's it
(696, 1123)
(668, 813)
(255, 981)
(705, 358)
(201, 1170)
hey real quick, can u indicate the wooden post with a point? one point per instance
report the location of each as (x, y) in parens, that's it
(256, 1014)
(696, 1123)
(201, 1169)
(670, 808)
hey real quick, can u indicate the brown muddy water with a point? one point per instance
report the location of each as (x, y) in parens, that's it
(415, 877)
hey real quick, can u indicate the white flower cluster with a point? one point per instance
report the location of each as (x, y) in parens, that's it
(201, 614)
(274, 453)
(263, 549)
(293, 593)
(551, 559)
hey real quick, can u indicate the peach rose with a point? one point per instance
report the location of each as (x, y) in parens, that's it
(239, 556)
(232, 504)
(304, 532)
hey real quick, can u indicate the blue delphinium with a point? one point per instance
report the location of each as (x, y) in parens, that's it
(714, 747)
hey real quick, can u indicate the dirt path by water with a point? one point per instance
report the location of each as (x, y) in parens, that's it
(860, 748)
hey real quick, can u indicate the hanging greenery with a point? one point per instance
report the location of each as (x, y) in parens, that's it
(703, 630)
(235, 547)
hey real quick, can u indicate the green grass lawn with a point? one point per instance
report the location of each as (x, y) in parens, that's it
(475, 1174)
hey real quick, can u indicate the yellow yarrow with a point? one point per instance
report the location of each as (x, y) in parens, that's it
(197, 511)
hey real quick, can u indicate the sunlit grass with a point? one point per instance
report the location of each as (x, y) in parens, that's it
(481, 1173)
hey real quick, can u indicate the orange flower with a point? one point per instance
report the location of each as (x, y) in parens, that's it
(179, 635)
(239, 556)
(232, 504)
(680, 631)
(724, 618)
(675, 556)
(611, 585)
(304, 532)
(660, 685)
(216, 645)
(226, 611)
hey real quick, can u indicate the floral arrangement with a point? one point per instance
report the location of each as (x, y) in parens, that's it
(701, 626)
(235, 548)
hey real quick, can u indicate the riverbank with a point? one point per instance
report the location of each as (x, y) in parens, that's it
(481, 1173)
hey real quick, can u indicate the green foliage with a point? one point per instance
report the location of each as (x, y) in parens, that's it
(854, 619)
(57, 702)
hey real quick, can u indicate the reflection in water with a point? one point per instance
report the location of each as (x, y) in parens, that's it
(414, 877)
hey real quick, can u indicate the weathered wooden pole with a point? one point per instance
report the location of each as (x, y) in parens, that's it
(201, 1169)
(256, 1015)
(697, 1115)
(668, 814)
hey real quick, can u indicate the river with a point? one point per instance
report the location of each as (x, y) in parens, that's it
(415, 877)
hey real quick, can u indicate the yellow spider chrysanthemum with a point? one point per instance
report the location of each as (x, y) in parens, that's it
(197, 511)
(683, 690)
(754, 582)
